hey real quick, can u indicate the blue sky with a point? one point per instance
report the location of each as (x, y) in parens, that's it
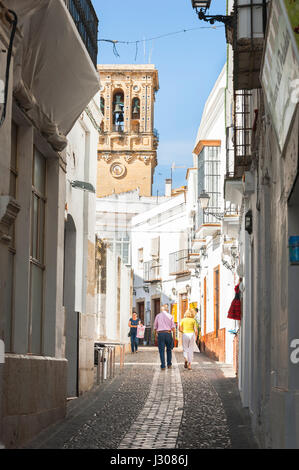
(188, 65)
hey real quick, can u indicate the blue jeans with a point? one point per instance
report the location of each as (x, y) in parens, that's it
(134, 340)
(165, 340)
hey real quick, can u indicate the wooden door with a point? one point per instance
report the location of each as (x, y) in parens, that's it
(184, 304)
(216, 300)
(140, 311)
(204, 308)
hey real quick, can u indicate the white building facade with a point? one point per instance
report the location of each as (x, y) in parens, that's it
(159, 262)
(41, 107)
(263, 180)
(211, 249)
(114, 216)
(80, 249)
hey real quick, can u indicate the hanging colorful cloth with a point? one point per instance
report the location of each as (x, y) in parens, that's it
(235, 309)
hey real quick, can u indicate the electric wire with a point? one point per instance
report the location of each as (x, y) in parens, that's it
(116, 41)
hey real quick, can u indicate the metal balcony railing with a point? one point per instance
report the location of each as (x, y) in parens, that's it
(118, 128)
(86, 22)
(151, 270)
(230, 152)
(242, 131)
(177, 262)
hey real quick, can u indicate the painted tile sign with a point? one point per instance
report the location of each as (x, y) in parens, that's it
(292, 9)
(280, 69)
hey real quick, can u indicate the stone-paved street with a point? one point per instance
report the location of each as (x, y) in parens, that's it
(146, 408)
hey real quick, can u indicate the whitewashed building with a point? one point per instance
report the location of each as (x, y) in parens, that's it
(263, 179)
(114, 215)
(46, 95)
(79, 255)
(211, 250)
(159, 256)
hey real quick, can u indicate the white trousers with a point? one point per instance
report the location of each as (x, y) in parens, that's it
(188, 346)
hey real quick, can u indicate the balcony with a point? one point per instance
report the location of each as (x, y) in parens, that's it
(151, 270)
(247, 39)
(178, 263)
(239, 137)
(86, 22)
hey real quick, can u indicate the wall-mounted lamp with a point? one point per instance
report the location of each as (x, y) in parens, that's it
(201, 7)
(234, 251)
(83, 185)
(188, 289)
(174, 291)
(248, 222)
(159, 287)
(146, 288)
(226, 264)
(204, 200)
(134, 292)
(203, 251)
(197, 271)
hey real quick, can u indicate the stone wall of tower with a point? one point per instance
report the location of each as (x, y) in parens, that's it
(127, 154)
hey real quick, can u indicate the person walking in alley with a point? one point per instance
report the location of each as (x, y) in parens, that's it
(164, 327)
(189, 330)
(133, 324)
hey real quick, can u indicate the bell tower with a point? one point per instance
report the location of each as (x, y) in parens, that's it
(127, 150)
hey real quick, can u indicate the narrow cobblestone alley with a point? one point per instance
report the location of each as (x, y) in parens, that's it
(146, 408)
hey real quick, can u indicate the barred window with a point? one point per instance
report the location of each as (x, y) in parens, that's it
(37, 266)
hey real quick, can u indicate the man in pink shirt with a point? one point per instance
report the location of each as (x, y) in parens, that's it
(164, 326)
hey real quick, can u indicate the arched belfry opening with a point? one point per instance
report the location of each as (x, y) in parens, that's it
(118, 111)
(102, 105)
(135, 114)
(136, 108)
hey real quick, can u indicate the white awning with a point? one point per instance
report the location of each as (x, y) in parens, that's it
(54, 77)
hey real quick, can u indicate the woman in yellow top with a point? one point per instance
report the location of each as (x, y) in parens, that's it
(189, 330)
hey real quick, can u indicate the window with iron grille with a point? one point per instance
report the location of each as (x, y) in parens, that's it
(177, 262)
(151, 270)
(209, 180)
(7, 299)
(37, 266)
(242, 130)
(86, 22)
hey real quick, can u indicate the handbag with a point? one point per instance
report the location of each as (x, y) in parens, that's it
(140, 331)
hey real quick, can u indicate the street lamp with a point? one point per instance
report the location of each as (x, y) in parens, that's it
(201, 7)
(83, 185)
(204, 200)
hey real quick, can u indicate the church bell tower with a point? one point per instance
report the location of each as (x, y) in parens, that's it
(127, 151)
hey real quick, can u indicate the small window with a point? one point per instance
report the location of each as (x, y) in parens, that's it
(155, 247)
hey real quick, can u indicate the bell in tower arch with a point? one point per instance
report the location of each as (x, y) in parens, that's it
(136, 108)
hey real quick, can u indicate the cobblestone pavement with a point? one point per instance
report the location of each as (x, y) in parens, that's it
(144, 407)
(157, 425)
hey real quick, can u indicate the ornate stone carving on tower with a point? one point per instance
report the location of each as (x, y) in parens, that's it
(127, 151)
